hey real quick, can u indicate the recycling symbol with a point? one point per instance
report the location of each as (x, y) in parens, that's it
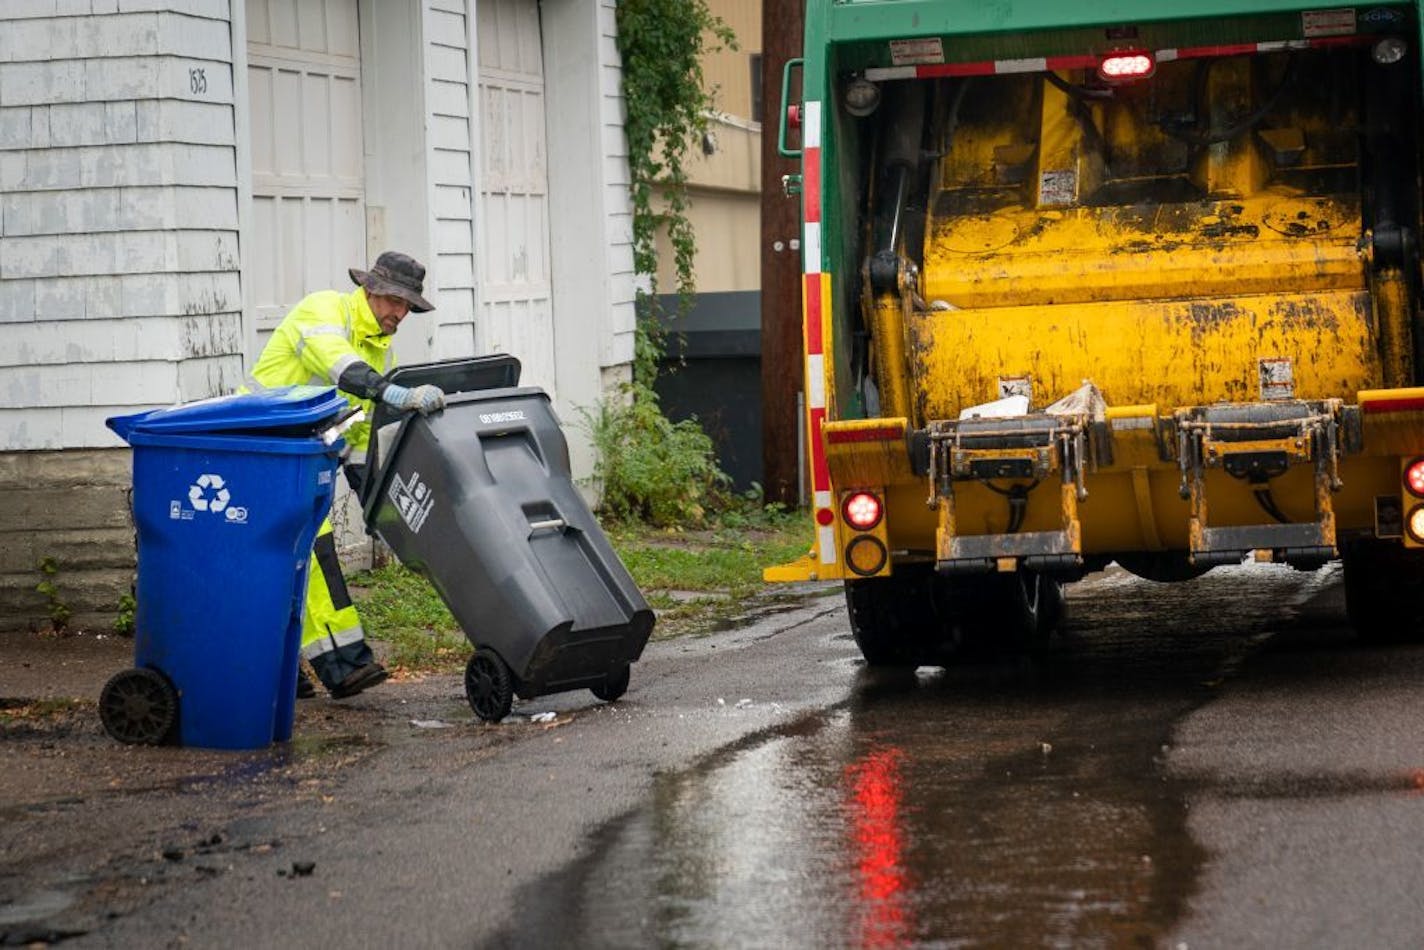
(198, 494)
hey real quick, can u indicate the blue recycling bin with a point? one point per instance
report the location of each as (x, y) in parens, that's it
(228, 495)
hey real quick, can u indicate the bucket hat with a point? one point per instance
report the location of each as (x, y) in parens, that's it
(395, 275)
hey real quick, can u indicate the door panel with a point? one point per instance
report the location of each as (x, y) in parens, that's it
(308, 190)
(515, 289)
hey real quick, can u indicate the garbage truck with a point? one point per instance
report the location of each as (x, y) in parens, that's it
(1094, 282)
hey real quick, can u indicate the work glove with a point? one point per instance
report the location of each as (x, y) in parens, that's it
(424, 399)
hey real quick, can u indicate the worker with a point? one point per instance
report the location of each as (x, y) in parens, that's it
(331, 338)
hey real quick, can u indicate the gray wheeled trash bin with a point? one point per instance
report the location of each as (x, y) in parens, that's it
(479, 499)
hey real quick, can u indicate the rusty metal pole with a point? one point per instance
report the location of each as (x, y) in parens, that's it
(781, 349)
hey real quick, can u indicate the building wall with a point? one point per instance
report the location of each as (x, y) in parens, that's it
(126, 180)
(118, 217)
(592, 224)
(451, 80)
(713, 370)
(119, 283)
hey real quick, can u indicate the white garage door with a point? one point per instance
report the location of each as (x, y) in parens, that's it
(516, 296)
(308, 192)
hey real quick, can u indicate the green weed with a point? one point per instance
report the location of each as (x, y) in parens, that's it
(124, 620)
(691, 578)
(650, 468)
(55, 608)
(401, 609)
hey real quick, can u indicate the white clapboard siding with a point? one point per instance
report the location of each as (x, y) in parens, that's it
(618, 318)
(118, 215)
(450, 147)
(308, 186)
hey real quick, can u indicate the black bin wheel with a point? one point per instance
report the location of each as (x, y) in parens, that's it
(614, 686)
(139, 707)
(488, 685)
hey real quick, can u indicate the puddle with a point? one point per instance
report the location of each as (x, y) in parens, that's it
(1012, 803)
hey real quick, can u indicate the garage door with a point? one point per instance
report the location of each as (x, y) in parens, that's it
(516, 294)
(308, 197)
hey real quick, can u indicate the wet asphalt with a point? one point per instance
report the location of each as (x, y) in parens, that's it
(1208, 764)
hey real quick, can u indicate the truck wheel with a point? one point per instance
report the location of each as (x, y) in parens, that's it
(1384, 591)
(893, 618)
(1018, 610)
(614, 686)
(488, 686)
(139, 707)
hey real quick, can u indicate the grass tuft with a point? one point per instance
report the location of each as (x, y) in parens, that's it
(693, 579)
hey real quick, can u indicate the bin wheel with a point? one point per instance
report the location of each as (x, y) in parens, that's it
(613, 686)
(488, 685)
(139, 707)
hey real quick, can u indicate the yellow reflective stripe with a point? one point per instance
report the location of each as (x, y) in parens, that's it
(323, 329)
(333, 642)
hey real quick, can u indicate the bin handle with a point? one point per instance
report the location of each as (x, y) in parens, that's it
(786, 105)
(551, 524)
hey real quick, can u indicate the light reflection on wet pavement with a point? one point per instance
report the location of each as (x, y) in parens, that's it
(1008, 803)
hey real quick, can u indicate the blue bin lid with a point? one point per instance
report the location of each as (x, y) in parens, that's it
(282, 407)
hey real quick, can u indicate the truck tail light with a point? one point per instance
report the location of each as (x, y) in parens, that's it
(866, 555)
(1414, 524)
(1414, 478)
(862, 510)
(1127, 66)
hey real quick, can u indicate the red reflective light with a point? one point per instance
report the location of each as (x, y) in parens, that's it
(1414, 478)
(1120, 67)
(862, 510)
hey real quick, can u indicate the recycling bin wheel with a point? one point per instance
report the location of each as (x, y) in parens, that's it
(139, 707)
(613, 687)
(488, 685)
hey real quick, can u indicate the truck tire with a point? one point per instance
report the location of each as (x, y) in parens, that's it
(1384, 591)
(1016, 611)
(894, 619)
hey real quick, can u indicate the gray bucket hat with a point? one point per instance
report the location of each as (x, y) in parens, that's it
(395, 275)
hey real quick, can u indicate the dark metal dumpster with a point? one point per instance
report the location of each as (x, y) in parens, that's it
(479, 499)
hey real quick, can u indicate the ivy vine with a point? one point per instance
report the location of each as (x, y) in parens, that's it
(662, 44)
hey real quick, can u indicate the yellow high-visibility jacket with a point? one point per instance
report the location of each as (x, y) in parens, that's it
(320, 339)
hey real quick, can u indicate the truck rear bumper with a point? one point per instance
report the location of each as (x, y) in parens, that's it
(1057, 492)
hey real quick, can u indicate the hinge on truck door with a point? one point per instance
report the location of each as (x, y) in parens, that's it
(1257, 443)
